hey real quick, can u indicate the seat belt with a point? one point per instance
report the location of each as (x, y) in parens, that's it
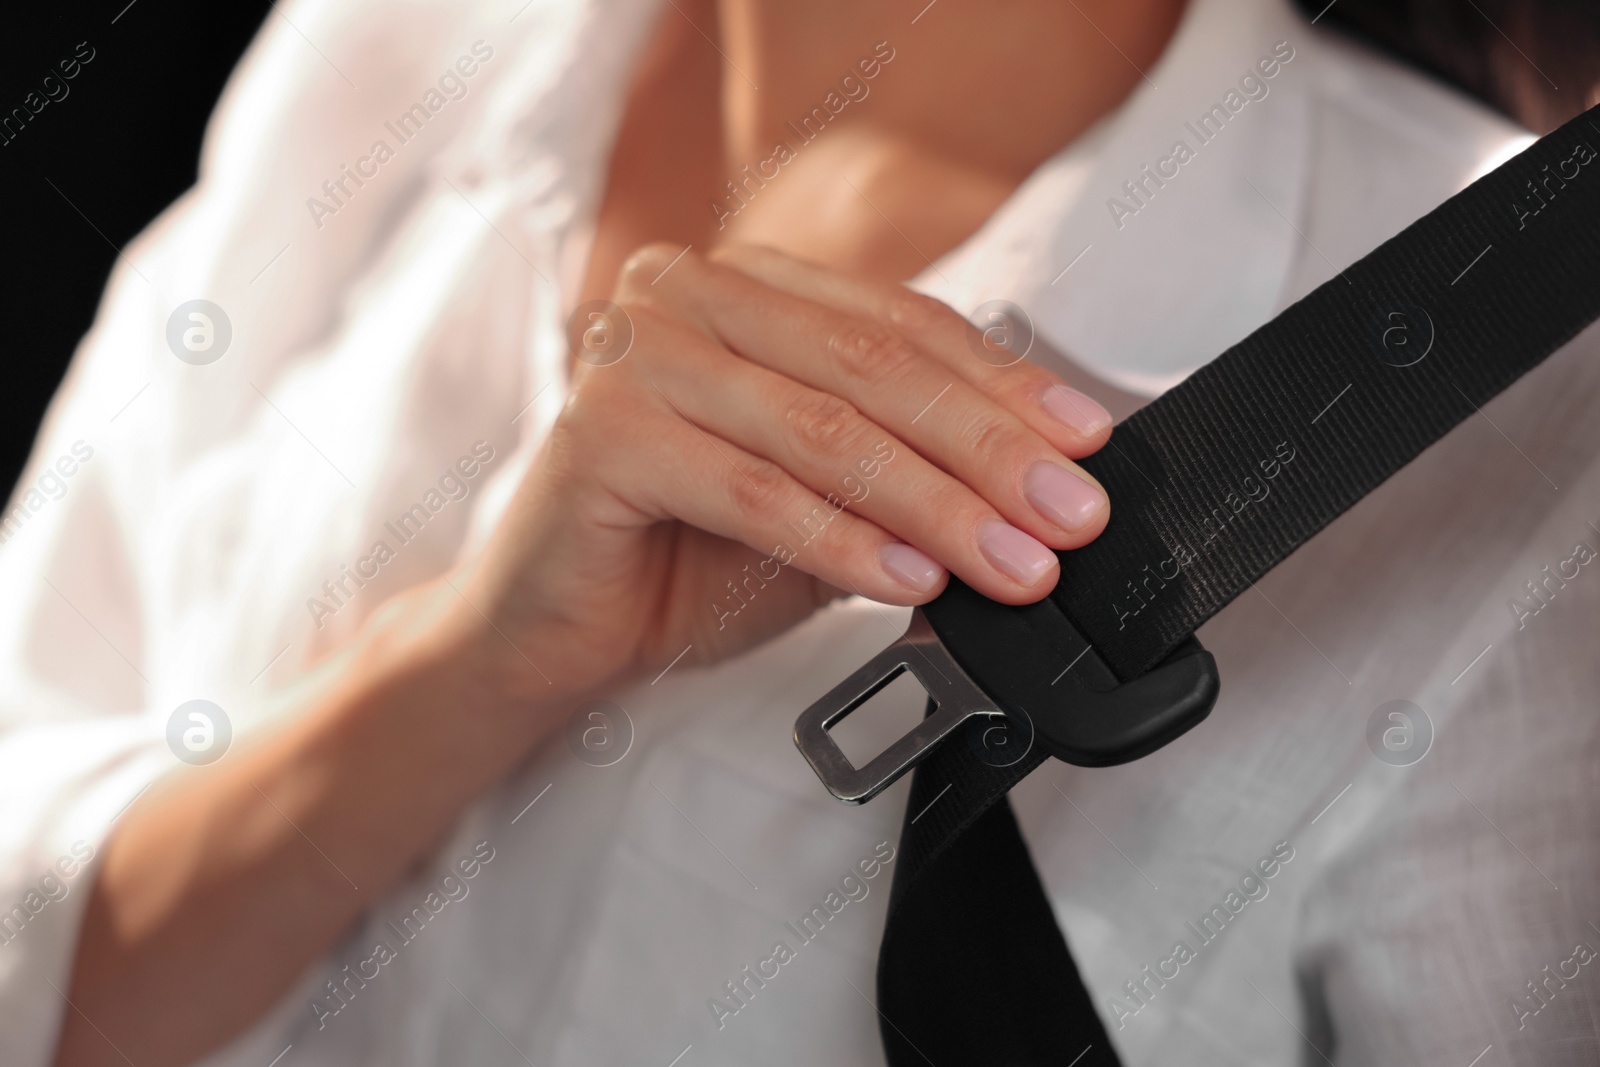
(1320, 405)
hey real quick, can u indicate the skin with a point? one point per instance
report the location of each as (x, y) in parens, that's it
(758, 377)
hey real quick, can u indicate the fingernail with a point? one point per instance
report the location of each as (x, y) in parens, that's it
(1013, 551)
(1075, 410)
(1061, 496)
(909, 567)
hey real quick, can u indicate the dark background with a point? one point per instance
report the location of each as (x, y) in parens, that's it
(121, 145)
(124, 143)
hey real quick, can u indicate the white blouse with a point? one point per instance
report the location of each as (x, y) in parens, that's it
(393, 215)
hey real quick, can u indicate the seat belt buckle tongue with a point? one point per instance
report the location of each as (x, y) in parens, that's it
(1076, 717)
(956, 698)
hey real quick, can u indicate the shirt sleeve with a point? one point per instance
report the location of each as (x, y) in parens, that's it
(84, 703)
(76, 743)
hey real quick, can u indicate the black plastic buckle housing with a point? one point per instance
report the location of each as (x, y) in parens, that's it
(1084, 716)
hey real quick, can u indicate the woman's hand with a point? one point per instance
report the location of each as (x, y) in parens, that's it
(775, 436)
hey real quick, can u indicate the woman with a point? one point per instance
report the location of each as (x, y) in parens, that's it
(554, 381)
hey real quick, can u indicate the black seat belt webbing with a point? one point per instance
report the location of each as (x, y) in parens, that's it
(1213, 484)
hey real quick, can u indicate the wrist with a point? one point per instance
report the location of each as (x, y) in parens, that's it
(427, 660)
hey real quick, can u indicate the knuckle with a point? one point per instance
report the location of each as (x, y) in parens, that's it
(757, 490)
(591, 411)
(991, 439)
(1018, 386)
(871, 351)
(646, 263)
(586, 402)
(822, 423)
(917, 313)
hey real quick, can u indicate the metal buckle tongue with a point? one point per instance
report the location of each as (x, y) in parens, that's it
(956, 699)
(1091, 720)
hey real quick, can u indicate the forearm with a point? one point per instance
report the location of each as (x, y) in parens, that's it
(272, 853)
